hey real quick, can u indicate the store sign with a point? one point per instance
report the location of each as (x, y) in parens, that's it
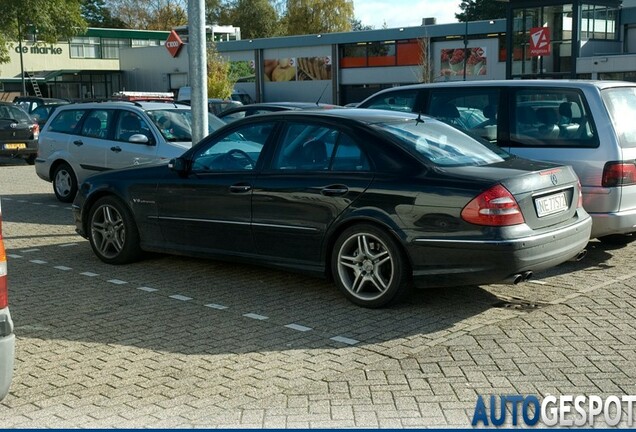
(539, 41)
(174, 44)
(41, 50)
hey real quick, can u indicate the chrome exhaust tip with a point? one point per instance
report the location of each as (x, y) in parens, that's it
(580, 255)
(514, 279)
(527, 275)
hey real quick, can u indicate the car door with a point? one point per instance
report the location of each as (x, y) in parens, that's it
(128, 147)
(91, 143)
(207, 209)
(317, 171)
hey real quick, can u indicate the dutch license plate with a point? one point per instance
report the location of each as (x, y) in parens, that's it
(551, 204)
(15, 146)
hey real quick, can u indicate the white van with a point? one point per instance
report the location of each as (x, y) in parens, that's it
(590, 125)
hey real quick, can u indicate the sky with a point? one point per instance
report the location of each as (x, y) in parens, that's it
(404, 13)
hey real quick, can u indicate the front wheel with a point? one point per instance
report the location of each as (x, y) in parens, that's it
(64, 183)
(369, 266)
(113, 233)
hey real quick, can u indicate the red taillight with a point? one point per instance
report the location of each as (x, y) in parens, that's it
(619, 174)
(36, 131)
(494, 207)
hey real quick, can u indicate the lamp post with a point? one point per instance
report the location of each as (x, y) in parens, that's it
(465, 44)
(24, 93)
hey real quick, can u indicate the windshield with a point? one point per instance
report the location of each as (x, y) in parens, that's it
(176, 124)
(621, 104)
(444, 145)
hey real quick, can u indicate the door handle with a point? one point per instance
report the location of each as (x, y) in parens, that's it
(78, 142)
(334, 190)
(116, 149)
(237, 188)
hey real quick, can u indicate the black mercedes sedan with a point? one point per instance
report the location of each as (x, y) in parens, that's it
(379, 201)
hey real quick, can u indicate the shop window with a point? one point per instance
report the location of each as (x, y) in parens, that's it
(598, 22)
(381, 53)
(85, 47)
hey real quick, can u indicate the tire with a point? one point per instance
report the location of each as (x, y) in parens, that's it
(30, 159)
(64, 183)
(369, 267)
(112, 232)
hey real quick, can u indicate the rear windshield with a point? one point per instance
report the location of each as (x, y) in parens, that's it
(621, 104)
(444, 145)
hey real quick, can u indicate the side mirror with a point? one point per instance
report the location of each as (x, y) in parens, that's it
(139, 139)
(178, 165)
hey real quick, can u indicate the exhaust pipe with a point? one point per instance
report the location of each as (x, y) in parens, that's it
(580, 255)
(527, 275)
(514, 279)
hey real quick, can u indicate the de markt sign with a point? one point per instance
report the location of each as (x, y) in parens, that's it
(174, 44)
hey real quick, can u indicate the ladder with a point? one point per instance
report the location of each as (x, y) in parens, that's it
(34, 83)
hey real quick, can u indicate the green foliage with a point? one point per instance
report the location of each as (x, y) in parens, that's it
(256, 18)
(167, 17)
(52, 20)
(97, 14)
(220, 84)
(356, 25)
(318, 16)
(476, 10)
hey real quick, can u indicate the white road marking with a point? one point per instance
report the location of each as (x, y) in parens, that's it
(148, 289)
(63, 268)
(344, 340)
(117, 281)
(298, 327)
(29, 250)
(53, 205)
(37, 203)
(37, 261)
(255, 316)
(68, 245)
(90, 274)
(538, 282)
(215, 306)
(7, 199)
(180, 297)
(14, 256)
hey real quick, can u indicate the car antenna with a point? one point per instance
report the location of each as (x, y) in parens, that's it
(322, 93)
(419, 118)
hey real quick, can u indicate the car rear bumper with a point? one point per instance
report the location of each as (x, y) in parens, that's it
(30, 149)
(7, 352)
(470, 262)
(622, 222)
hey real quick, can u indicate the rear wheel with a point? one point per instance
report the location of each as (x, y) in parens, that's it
(113, 233)
(64, 183)
(369, 266)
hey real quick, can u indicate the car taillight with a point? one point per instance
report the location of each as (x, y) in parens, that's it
(4, 294)
(36, 131)
(619, 174)
(579, 203)
(494, 207)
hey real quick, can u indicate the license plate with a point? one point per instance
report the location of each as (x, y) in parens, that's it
(551, 204)
(15, 146)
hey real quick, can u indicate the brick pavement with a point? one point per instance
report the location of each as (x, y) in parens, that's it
(95, 352)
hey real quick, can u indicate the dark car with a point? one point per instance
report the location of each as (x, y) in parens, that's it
(235, 113)
(374, 199)
(42, 113)
(18, 133)
(30, 103)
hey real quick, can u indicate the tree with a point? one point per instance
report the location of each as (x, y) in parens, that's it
(356, 25)
(220, 84)
(475, 10)
(318, 16)
(144, 14)
(256, 18)
(97, 14)
(53, 20)
(167, 17)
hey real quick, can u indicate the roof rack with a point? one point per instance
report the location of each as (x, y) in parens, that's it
(143, 96)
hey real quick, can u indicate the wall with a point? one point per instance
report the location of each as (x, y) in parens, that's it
(148, 69)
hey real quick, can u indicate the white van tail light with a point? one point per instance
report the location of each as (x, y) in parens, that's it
(494, 207)
(619, 174)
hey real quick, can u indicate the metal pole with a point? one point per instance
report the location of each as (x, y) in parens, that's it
(197, 60)
(24, 93)
(465, 45)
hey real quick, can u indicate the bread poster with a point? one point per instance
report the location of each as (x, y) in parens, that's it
(297, 69)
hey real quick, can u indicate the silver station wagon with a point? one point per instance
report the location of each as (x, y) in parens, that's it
(590, 125)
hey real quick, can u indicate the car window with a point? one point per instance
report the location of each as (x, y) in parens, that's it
(176, 124)
(96, 123)
(13, 112)
(621, 104)
(551, 117)
(66, 120)
(311, 147)
(237, 150)
(471, 110)
(129, 124)
(395, 101)
(443, 145)
(42, 113)
(234, 116)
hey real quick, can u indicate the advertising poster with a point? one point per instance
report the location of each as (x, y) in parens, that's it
(297, 69)
(453, 61)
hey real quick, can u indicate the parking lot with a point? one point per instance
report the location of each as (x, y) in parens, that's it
(181, 342)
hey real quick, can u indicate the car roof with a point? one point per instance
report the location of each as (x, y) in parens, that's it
(130, 104)
(358, 114)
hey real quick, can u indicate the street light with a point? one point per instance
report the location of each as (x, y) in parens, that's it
(465, 44)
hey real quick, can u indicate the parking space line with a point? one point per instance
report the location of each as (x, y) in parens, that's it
(29, 250)
(298, 327)
(255, 316)
(344, 340)
(117, 281)
(147, 289)
(14, 256)
(64, 268)
(36, 261)
(180, 297)
(216, 306)
(89, 274)
(67, 245)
